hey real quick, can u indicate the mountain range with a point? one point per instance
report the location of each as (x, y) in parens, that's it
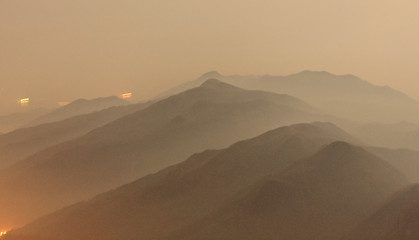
(91, 170)
(296, 182)
(213, 115)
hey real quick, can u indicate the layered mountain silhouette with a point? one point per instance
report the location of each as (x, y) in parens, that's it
(213, 115)
(295, 182)
(18, 144)
(78, 107)
(106, 169)
(397, 219)
(344, 96)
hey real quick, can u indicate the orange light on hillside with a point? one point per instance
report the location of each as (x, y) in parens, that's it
(126, 95)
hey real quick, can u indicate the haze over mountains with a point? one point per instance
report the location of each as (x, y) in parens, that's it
(379, 115)
(17, 120)
(16, 145)
(396, 135)
(274, 184)
(302, 181)
(406, 160)
(211, 116)
(101, 138)
(36, 117)
(78, 107)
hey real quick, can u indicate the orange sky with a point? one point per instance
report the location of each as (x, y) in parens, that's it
(55, 50)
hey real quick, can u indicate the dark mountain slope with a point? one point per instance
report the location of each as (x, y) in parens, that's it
(398, 219)
(321, 197)
(159, 204)
(211, 116)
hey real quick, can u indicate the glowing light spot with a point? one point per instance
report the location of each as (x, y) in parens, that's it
(126, 95)
(63, 103)
(24, 102)
(3, 233)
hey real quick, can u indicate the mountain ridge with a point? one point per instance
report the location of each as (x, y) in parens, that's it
(78, 107)
(223, 172)
(345, 96)
(310, 199)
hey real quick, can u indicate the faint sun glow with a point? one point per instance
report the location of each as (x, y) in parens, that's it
(24, 102)
(126, 95)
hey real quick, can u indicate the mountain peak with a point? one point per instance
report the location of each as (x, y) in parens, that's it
(211, 74)
(217, 84)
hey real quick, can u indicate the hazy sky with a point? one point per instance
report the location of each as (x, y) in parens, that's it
(56, 50)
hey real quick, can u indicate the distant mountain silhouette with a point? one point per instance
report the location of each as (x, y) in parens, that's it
(405, 160)
(345, 96)
(78, 107)
(14, 121)
(158, 205)
(213, 115)
(398, 219)
(16, 145)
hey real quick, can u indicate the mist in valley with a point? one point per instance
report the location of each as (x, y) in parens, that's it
(185, 120)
